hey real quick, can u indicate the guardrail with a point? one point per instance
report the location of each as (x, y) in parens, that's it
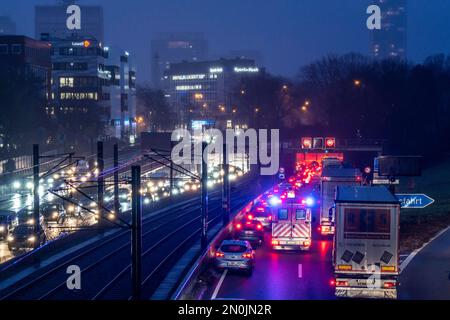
(203, 262)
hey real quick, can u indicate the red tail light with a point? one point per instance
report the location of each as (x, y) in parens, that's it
(259, 227)
(247, 255)
(239, 226)
(219, 254)
(389, 285)
(341, 283)
(270, 217)
(332, 282)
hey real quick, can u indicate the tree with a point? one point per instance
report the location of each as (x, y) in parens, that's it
(153, 106)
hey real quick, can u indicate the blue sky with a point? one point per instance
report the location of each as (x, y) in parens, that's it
(288, 33)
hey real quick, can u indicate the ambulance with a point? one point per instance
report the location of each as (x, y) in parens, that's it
(291, 224)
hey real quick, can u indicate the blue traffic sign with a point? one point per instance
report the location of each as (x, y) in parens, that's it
(414, 201)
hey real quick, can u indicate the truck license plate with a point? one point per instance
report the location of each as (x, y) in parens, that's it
(361, 282)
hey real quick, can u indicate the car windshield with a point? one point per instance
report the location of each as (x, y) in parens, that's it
(233, 248)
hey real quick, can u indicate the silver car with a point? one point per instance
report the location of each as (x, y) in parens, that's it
(235, 255)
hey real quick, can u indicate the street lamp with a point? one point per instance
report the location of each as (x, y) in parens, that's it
(357, 83)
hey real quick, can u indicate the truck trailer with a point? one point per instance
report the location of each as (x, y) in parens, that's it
(365, 246)
(332, 177)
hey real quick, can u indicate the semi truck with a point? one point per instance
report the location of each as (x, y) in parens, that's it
(333, 176)
(365, 245)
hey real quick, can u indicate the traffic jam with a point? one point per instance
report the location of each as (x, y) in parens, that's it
(64, 209)
(324, 222)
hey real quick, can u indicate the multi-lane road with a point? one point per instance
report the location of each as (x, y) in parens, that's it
(308, 275)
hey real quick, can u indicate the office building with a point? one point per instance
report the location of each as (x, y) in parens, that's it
(391, 40)
(27, 56)
(51, 20)
(169, 48)
(120, 94)
(88, 75)
(7, 26)
(78, 74)
(207, 90)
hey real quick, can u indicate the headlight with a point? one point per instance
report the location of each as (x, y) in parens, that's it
(10, 238)
(2, 228)
(32, 238)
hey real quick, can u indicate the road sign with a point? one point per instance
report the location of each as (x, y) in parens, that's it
(383, 180)
(414, 201)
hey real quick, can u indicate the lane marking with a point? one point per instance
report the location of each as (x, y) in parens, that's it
(219, 284)
(300, 270)
(415, 252)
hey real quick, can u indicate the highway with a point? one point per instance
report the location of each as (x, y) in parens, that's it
(106, 264)
(282, 276)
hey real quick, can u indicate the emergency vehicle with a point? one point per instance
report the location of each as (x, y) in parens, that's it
(291, 224)
(365, 246)
(333, 176)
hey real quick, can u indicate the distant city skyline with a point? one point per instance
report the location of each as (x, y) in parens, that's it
(280, 30)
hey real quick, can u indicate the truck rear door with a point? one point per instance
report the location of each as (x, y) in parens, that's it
(301, 222)
(282, 225)
(369, 241)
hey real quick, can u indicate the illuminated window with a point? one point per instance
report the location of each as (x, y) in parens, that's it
(66, 82)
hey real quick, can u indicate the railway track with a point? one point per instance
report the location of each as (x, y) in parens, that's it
(164, 238)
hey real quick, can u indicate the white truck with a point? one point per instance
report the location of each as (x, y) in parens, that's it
(333, 176)
(365, 246)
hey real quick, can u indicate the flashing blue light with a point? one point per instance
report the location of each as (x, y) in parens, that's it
(274, 201)
(310, 201)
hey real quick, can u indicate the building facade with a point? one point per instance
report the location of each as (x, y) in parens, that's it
(168, 48)
(78, 74)
(27, 56)
(51, 20)
(120, 94)
(391, 41)
(7, 26)
(206, 91)
(87, 75)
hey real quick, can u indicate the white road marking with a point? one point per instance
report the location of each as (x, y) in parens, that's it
(415, 252)
(219, 284)
(300, 270)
